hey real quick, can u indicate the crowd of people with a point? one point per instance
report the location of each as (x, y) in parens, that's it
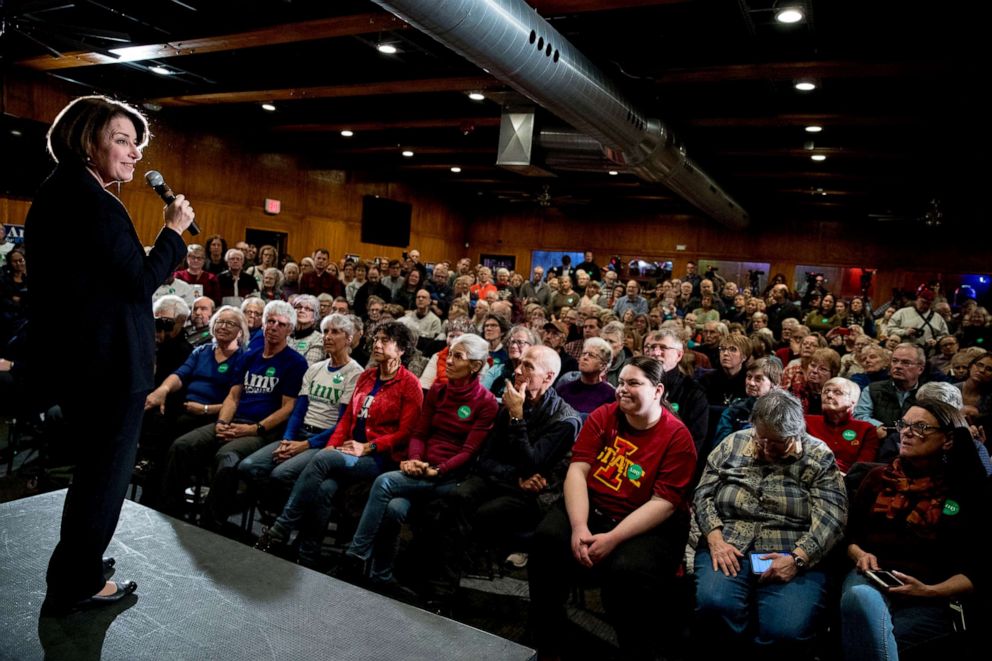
(797, 454)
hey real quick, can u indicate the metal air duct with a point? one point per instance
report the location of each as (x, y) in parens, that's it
(509, 40)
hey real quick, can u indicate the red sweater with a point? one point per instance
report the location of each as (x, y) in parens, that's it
(629, 465)
(456, 419)
(211, 287)
(392, 415)
(851, 442)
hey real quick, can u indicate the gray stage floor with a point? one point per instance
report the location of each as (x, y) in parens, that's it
(201, 596)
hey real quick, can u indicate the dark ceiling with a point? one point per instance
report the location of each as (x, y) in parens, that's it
(899, 100)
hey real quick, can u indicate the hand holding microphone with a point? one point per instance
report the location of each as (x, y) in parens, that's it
(178, 214)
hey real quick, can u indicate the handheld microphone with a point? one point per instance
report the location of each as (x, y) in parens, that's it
(157, 182)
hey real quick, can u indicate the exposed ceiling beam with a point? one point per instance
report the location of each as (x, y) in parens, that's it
(821, 119)
(429, 85)
(326, 28)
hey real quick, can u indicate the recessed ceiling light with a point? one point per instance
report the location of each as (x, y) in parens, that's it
(814, 129)
(407, 153)
(269, 107)
(477, 96)
(613, 173)
(347, 134)
(386, 49)
(818, 157)
(162, 71)
(456, 169)
(805, 85)
(789, 15)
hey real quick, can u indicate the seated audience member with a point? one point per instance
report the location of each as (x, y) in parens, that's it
(590, 390)
(325, 305)
(322, 278)
(482, 289)
(875, 360)
(782, 308)
(195, 274)
(270, 288)
(763, 375)
(373, 288)
(623, 521)
(822, 319)
(370, 438)
(823, 365)
(913, 518)
(975, 331)
(306, 339)
(859, 315)
(794, 374)
(428, 324)
(976, 390)
(951, 394)
(351, 289)
(340, 305)
(518, 340)
(327, 388)
(494, 329)
(705, 312)
(686, 396)
(253, 308)
(851, 440)
(406, 295)
(457, 417)
(632, 341)
(253, 413)
(555, 334)
(437, 365)
(198, 329)
(171, 347)
(947, 346)
(591, 326)
(235, 285)
(961, 363)
(631, 300)
(520, 464)
(268, 258)
(191, 395)
(726, 383)
(613, 334)
(14, 286)
(850, 363)
(290, 284)
(769, 493)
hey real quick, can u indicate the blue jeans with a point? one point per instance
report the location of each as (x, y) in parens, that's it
(876, 626)
(274, 480)
(779, 614)
(310, 503)
(390, 497)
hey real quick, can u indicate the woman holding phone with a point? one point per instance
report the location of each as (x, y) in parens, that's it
(913, 526)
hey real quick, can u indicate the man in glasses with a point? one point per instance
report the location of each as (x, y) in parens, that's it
(684, 393)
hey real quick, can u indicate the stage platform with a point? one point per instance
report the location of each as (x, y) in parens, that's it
(202, 596)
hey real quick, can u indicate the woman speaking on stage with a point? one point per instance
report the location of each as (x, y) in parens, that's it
(96, 143)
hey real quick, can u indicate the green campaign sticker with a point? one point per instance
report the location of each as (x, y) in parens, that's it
(270, 372)
(826, 320)
(849, 434)
(222, 368)
(337, 378)
(301, 345)
(675, 406)
(635, 472)
(951, 507)
(464, 412)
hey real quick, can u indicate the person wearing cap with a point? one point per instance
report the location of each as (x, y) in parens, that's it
(555, 334)
(918, 323)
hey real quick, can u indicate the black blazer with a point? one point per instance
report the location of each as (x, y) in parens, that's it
(91, 333)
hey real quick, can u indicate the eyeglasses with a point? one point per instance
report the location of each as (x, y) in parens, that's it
(227, 322)
(917, 429)
(983, 367)
(591, 354)
(302, 308)
(903, 362)
(252, 313)
(781, 442)
(659, 347)
(164, 324)
(730, 349)
(519, 343)
(275, 322)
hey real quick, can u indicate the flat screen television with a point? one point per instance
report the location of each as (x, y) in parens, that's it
(385, 222)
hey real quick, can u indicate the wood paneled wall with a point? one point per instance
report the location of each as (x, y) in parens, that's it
(227, 185)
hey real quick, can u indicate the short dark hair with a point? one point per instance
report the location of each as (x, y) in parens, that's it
(76, 130)
(399, 333)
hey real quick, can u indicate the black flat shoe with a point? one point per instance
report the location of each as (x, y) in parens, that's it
(56, 608)
(124, 588)
(108, 567)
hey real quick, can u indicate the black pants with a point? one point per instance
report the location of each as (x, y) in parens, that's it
(637, 581)
(106, 441)
(480, 510)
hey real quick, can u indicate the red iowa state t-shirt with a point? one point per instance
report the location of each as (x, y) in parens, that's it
(629, 465)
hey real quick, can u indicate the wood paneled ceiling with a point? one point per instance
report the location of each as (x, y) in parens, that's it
(899, 97)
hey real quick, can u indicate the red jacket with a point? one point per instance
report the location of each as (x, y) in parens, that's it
(391, 417)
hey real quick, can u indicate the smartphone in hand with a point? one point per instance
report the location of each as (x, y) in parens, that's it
(883, 579)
